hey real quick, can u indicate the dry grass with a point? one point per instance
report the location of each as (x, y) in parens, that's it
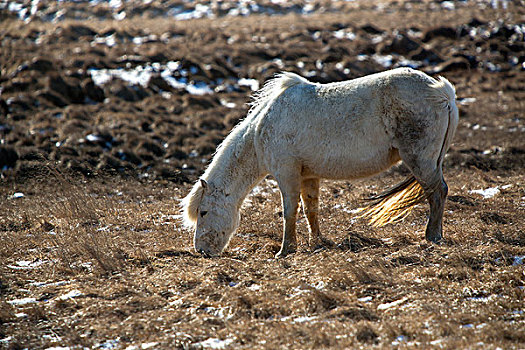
(140, 282)
(77, 228)
(105, 263)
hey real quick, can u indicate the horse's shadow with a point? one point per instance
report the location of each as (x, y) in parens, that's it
(173, 253)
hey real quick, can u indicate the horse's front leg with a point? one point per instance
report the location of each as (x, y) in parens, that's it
(290, 188)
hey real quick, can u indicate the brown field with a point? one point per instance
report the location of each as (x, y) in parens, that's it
(92, 251)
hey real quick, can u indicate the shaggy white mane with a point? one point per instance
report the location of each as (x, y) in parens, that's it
(273, 88)
(190, 205)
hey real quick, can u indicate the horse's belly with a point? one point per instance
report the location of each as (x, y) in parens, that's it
(350, 166)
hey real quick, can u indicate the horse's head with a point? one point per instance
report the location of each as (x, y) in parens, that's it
(215, 219)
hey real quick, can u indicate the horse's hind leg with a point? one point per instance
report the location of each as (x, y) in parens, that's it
(436, 199)
(310, 199)
(430, 177)
(290, 186)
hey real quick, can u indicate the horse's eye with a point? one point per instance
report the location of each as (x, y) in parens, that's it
(204, 212)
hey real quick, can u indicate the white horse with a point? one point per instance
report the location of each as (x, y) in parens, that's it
(299, 132)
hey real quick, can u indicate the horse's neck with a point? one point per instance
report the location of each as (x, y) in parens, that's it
(235, 168)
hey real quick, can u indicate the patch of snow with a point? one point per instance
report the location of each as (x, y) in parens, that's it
(221, 312)
(115, 3)
(303, 319)
(16, 195)
(227, 104)
(254, 287)
(466, 101)
(75, 293)
(176, 302)
(387, 240)
(109, 344)
(141, 75)
(387, 61)
(319, 285)
(136, 76)
(344, 34)
(405, 62)
(376, 39)
(27, 264)
(199, 89)
(448, 5)
(178, 10)
(486, 193)
(264, 188)
(346, 210)
(6, 340)
(298, 291)
(215, 343)
(253, 84)
(87, 265)
(365, 299)
(482, 299)
(100, 76)
(93, 138)
(109, 41)
(399, 339)
(200, 11)
(119, 16)
(22, 301)
(386, 306)
(384, 60)
(518, 260)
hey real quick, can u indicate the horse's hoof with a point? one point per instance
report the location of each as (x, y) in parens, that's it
(284, 252)
(435, 239)
(280, 254)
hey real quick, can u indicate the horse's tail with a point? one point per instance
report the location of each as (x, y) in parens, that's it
(444, 93)
(396, 203)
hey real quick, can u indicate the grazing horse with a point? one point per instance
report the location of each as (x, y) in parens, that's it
(299, 132)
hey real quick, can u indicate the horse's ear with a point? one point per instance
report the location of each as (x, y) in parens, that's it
(204, 184)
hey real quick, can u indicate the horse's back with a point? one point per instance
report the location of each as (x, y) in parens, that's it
(332, 132)
(340, 130)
